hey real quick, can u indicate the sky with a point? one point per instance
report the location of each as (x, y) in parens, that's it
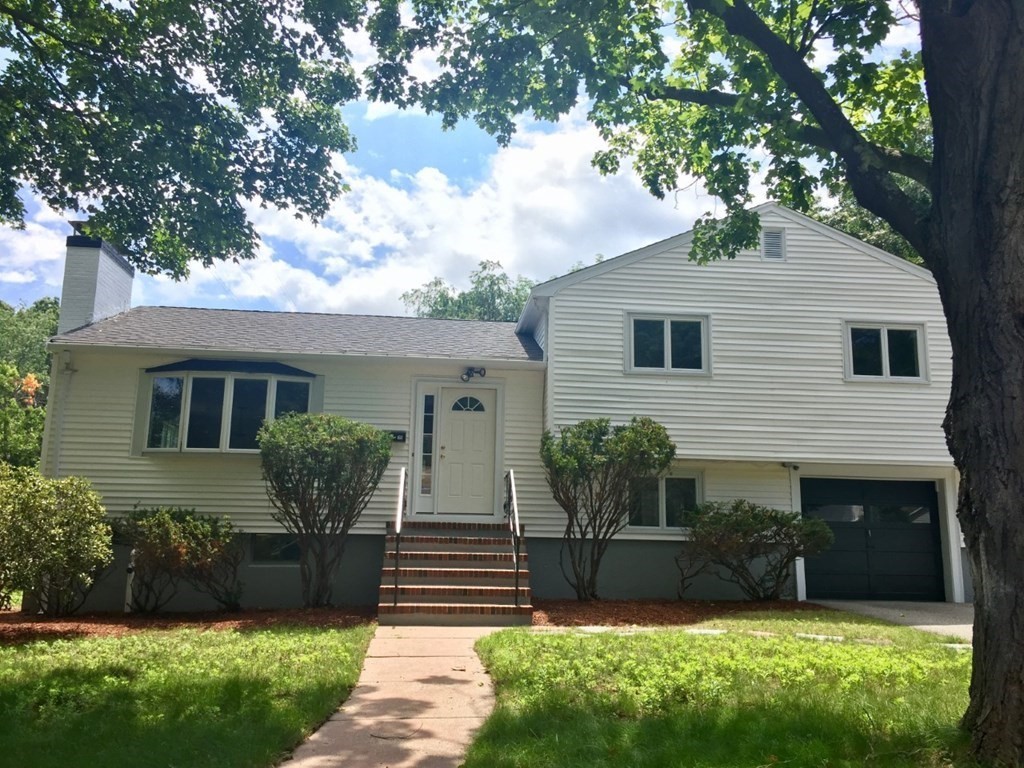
(424, 203)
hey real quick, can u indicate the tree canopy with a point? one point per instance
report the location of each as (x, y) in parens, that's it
(803, 95)
(801, 92)
(492, 295)
(24, 332)
(24, 378)
(161, 119)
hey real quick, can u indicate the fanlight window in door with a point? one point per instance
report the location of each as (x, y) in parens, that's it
(468, 404)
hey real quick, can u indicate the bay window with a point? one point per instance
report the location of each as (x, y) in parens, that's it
(205, 411)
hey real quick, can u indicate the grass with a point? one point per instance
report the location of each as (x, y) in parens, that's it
(176, 698)
(668, 698)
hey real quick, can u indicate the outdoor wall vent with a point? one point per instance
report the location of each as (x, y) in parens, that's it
(773, 245)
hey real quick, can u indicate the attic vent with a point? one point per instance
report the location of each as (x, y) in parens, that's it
(773, 245)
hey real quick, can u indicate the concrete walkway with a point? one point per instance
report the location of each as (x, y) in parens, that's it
(421, 696)
(956, 619)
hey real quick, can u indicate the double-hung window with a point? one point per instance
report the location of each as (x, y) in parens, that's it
(885, 351)
(676, 344)
(659, 503)
(218, 411)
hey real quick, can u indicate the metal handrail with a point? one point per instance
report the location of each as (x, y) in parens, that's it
(512, 515)
(399, 516)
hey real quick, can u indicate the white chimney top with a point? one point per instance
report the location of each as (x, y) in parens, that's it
(97, 282)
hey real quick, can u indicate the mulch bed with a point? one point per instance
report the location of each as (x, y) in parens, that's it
(17, 628)
(649, 613)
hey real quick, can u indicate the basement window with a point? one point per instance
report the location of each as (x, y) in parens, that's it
(659, 503)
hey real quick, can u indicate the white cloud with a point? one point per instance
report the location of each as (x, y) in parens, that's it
(16, 276)
(538, 208)
(32, 259)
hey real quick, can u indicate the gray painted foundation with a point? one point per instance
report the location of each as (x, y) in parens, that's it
(267, 585)
(629, 570)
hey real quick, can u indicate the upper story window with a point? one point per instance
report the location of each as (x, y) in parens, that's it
(676, 344)
(661, 502)
(885, 351)
(208, 411)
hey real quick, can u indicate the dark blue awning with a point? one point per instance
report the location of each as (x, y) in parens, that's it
(232, 366)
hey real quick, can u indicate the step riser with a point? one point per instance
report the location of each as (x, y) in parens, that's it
(451, 620)
(387, 596)
(469, 581)
(438, 537)
(386, 599)
(429, 546)
(472, 529)
(442, 559)
(456, 565)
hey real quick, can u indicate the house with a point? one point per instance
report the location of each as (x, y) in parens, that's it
(810, 375)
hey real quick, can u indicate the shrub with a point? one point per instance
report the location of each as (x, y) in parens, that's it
(756, 545)
(591, 468)
(173, 544)
(54, 539)
(321, 471)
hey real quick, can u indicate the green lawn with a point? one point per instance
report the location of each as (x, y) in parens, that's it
(173, 698)
(668, 698)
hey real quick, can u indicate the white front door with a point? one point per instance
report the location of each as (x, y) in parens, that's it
(465, 451)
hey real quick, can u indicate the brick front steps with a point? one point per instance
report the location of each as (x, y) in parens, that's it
(453, 574)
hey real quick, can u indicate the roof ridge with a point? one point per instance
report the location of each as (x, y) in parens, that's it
(325, 314)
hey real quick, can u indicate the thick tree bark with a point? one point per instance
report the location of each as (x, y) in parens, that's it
(974, 63)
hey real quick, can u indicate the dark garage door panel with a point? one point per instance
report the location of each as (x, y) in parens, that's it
(883, 555)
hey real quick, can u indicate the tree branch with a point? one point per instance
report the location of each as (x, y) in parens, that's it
(893, 160)
(866, 169)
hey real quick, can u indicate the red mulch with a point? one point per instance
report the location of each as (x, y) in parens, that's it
(648, 613)
(17, 628)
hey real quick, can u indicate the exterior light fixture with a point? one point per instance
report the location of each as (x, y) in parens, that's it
(471, 372)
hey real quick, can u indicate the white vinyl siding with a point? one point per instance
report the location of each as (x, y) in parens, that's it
(779, 390)
(98, 411)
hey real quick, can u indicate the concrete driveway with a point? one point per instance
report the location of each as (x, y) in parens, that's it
(956, 619)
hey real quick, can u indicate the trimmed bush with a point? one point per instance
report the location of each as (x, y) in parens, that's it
(755, 545)
(321, 471)
(173, 544)
(591, 468)
(54, 539)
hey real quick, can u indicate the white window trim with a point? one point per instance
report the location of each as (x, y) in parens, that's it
(661, 528)
(667, 370)
(225, 423)
(885, 327)
(782, 234)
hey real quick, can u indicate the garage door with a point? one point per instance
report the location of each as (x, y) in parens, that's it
(887, 543)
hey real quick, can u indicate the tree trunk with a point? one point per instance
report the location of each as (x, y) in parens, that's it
(974, 64)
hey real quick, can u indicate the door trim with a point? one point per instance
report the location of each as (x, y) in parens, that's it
(419, 506)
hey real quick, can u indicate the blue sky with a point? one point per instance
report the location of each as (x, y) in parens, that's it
(424, 203)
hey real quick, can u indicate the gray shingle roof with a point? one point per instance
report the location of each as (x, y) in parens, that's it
(233, 330)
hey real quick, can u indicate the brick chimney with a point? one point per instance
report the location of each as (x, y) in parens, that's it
(97, 282)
